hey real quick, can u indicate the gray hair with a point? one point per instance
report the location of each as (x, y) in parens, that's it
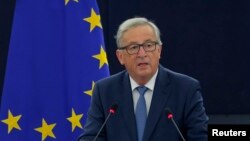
(134, 22)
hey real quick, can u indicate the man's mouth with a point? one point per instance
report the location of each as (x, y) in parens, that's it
(142, 64)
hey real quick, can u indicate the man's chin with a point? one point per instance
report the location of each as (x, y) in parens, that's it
(143, 73)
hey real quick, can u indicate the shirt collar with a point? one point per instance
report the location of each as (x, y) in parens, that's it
(150, 84)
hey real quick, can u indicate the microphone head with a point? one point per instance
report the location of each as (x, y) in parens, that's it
(113, 108)
(169, 113)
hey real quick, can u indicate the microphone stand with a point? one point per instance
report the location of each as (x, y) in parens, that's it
(177, 129)
(112, 110)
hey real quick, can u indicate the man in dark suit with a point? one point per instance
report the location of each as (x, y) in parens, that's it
(141, 116)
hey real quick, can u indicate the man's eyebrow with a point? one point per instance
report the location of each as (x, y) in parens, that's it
(134, 42)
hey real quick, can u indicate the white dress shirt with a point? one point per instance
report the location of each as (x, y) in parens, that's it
(149, 93)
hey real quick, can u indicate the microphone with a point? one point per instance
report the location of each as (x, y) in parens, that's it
(171, 117)
(112, 110)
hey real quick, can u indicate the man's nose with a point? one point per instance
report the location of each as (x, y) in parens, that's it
(141, 51)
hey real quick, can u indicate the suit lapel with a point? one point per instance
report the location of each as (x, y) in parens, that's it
(160, 96)
(127, 109)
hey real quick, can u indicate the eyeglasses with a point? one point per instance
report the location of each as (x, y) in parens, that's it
(134, 48)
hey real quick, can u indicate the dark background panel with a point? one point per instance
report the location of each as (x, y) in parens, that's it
(205, 39)
(6, 14)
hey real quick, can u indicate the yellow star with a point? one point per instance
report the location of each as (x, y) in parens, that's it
(94, 20)
(46, 130)
(89, 92)
(12, 121)
(102, 57)
(75, 120)
(67, 1)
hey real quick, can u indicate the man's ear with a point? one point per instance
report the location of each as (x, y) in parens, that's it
(119, 55)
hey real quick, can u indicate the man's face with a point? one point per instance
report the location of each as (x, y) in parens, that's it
(142, 65)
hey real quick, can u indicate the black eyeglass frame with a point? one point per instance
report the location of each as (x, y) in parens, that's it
(138, 46)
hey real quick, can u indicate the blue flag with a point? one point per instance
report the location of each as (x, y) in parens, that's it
(55, 57)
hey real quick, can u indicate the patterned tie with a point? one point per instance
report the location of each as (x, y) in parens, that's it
(141, 112)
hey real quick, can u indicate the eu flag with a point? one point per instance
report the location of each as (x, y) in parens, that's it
(56, 55)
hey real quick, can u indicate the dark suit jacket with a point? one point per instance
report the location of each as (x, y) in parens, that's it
(176, 91)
